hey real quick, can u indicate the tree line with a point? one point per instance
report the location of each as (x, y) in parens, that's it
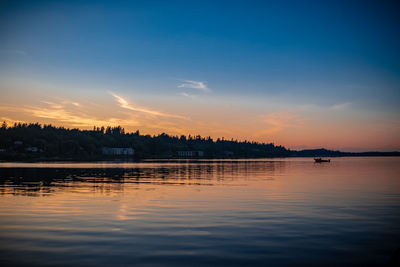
(28, 141)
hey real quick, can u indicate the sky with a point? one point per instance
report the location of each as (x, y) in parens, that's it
(302, 74)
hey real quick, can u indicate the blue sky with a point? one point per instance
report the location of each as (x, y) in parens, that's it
(266, 56)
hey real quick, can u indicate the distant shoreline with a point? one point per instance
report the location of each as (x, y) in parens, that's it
(34, 142)
(176, 159)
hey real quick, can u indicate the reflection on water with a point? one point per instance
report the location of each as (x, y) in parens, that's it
(257, 212)
(42, 181)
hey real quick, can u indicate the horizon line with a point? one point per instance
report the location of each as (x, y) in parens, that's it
(189, 135)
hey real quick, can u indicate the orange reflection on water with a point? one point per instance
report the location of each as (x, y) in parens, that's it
(134, 189)
(70, 212)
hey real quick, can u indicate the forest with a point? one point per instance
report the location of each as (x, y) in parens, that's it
(36, 142)
(23, 141)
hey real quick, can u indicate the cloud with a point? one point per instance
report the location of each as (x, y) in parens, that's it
(10, 121)
(60, 114)
(341, 106)
(52, 104)
(202, 86)
(73, 119)
(86, 114)
(124, 104)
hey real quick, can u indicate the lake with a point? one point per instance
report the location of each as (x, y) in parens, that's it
(209, 212)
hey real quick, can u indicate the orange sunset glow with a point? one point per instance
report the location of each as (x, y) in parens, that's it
(335, 127)
(79, 66)
(199, 133)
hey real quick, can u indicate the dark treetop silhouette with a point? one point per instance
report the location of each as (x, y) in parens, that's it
(34, 141)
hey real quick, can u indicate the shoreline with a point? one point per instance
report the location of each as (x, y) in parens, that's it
(179, 160)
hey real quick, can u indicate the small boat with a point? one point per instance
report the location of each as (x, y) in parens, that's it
(319, 160)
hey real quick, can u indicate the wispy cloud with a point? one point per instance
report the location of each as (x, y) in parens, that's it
(10, 121)
(62, 104)
(123, 103)
(202, 86)
(61, 114)
(52, 104)
(341, 106)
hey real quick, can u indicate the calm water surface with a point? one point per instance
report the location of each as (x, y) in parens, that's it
(246, 212)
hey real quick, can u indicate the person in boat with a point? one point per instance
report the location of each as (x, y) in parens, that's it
(321, 160)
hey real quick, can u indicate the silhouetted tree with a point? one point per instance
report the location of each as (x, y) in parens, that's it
(59, 142)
